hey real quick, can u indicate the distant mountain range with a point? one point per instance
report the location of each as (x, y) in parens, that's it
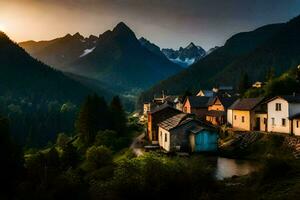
(185, 56)
(255, 52)
(23, 76)
(115, 58)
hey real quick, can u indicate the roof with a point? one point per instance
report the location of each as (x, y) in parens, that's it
(206, 93)
(162, 107)
(246, 103)
(174, 121)
(288, 98)
(226, 101)
(296, 116)
(199, 102)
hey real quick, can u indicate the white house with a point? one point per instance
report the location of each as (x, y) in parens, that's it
(280, 111)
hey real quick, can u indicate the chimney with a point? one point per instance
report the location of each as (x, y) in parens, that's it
(294, 94)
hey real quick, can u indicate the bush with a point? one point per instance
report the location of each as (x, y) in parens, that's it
(98, 157)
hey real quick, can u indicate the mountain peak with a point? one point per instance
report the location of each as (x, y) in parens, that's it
(191, 45)
(122, 28)
(77, 35)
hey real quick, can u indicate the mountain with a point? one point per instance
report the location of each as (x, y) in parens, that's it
(212, 50)
(39, 101)
(116, 58)
(151, 47)
(22, 75)
(61, 51)
(251, 52)
(185, 56)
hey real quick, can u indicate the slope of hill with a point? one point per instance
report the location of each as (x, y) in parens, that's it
(225, 64)
(22, 75)
(116, 58)
(151, 47)
(40, 101)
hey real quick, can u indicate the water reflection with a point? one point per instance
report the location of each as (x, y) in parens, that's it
(226, 168)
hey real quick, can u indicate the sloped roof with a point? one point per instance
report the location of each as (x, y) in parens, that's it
(246, 103)
(292, 98)
(296, 116)
(162, 107)
(207, 93)
(199, 102)
(173, 121)
(288, 98)
(226, 101)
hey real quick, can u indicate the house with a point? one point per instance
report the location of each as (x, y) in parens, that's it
(196, 105)
(258, 84)
(226, 91)
(295, 124)
(175, 135)
(178, 103)
(205, 93)
(203, 139)
(283, 114)
(217, 110)
(173, 101)
(248, 114)
(156, 116)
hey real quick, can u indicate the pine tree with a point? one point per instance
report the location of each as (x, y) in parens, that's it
(11, 160)
(244, 83)
(93, 116)
(119, 118)
(270, 74)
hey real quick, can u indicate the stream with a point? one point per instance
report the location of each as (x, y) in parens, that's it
(227, 168)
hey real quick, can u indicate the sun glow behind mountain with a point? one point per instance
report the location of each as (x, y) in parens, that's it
(2, 27)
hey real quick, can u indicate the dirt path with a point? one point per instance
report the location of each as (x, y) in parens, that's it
(137, 145)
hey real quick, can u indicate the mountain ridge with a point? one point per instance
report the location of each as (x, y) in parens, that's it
(117, 57)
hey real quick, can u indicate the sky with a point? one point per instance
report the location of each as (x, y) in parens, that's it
(167, 23)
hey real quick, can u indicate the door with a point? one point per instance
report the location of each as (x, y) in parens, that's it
(257, 124)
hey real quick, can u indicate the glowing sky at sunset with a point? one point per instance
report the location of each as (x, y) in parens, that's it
(168, 23)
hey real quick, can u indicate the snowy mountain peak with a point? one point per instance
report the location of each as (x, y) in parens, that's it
(185, 56)
(191, 45)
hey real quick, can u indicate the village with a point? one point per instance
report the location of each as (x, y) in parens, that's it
(193, 123)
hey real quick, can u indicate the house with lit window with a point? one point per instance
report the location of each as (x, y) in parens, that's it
(283, 114)
(248, 114)
(196, 105)
(183, 133)
(217, 110)
(156, 116)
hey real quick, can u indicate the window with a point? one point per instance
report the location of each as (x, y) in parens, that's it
(265, 120)
(185, 109)
(166, 137)
(278, 107)
(283, 122)
(297, 124)
(273, 121)
(234, 117)
(243, 119)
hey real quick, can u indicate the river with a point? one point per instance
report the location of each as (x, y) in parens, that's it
(227, 168)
